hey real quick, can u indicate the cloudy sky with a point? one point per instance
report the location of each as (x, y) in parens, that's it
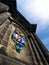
(37, 12)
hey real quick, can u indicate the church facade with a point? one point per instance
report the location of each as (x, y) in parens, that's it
(18, 35)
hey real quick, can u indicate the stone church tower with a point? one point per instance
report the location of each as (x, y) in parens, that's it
(34, 52)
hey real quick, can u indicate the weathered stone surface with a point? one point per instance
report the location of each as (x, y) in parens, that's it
(3, 7)
(4, 60)
(4, 16)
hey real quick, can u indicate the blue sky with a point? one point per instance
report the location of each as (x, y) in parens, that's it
(37, 12)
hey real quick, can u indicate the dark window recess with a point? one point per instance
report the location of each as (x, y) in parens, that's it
(5, 43)
(4, 31)
(1, 36)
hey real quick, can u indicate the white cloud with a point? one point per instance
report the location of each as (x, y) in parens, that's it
(36, 11)
(43, 26)
(39, 8)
